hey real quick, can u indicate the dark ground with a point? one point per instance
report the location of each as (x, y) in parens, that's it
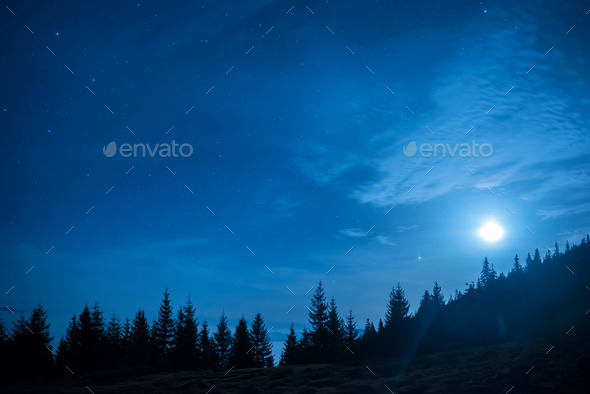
(493, 369)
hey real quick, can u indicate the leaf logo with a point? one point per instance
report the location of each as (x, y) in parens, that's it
(110, 150)
(410, 150)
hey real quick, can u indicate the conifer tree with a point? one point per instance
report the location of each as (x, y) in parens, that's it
(206, 349)
(31, 341)
(425, 307)
(68, 349)
(517, 267)
(437, 299)
(290, 353)
(139, 341)
(488, 273)
(350, 332)
(335, 326)
(114, 341)
(163, 329)
(318, 318)
(261, 344)
(113, 334)
(241, 355)
(397, 308)
(185, 336)
(222, 341)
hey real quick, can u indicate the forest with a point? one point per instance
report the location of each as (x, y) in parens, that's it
(539, 298)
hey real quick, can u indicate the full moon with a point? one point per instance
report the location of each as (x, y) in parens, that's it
(491, 232)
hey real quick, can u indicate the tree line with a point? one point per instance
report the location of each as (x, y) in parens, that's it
(536, 298)
(171, 342)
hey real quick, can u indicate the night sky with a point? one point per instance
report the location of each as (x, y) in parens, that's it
(298, 114)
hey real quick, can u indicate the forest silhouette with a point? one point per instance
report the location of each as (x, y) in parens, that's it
(538, 298)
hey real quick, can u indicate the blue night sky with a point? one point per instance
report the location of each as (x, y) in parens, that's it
(298, 114)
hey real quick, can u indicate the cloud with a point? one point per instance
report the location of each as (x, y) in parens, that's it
(537, 130)
(561, 211)
(352, 232)
(382, 239)
(286, 206)
(402, 229)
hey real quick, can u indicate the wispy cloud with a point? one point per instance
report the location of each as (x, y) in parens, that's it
(561, 211)
(353, 232)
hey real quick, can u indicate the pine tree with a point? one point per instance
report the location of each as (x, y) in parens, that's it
(68, 349)
(185, 336)
(396, 320)
(139, 341)
(290, 354)
(222, 341)
(241, 348)
(206, 349)
(488, 273)
(437, 299)
(425, 307)
(304, 351)
(369, 340)
(261, 344)
(114, 341)
(113, 333)
(163, 330)
(88, 341)
(556, 253)
(32, 343)
(126, 340)
(350, 332)
(547, 258)
(335, 326)
(517, 267)
(397, 308)
(318, 318)
(98, 336)
(567, 246)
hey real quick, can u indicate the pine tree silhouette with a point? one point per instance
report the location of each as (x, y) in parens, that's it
(241, 355)
(68, 350)
(206, 349)
(397, 308)
(185, 337)
(139, 341)
(350, 333)
(290, 353)
(517, 267)
(335, 326)
(163, 330)
(396, 320)
(261, 345)
(223, 341)
(31, 342)
(114, 341)
(318, 319)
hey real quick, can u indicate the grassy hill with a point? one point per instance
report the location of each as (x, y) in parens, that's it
(493, 369)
